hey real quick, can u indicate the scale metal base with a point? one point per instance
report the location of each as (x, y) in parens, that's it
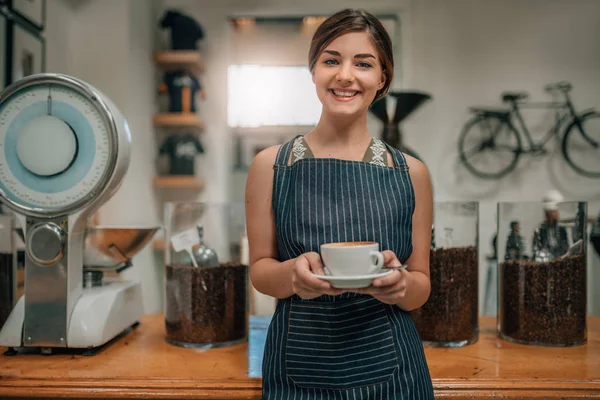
(100, 314)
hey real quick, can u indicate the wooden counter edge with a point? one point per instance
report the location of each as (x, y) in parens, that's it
(251, 389)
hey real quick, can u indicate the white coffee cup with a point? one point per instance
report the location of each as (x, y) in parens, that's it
(352, 258)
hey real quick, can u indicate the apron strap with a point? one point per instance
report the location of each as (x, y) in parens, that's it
(283, 154)
(397, 156)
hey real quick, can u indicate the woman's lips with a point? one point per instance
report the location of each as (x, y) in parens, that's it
(344, 95)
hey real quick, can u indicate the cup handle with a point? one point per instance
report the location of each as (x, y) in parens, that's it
(378, 264)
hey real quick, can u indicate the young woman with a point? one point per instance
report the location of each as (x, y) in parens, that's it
(338, 184)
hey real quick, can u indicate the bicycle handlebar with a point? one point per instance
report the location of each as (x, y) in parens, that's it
(562, 86)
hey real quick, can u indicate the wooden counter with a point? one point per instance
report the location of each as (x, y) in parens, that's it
(141, 364)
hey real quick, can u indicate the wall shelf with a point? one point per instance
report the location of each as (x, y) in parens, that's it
(178, 120)
(172, 187)
(178, 182)
(179, 59)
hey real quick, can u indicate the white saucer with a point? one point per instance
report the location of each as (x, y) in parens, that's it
(352, 281)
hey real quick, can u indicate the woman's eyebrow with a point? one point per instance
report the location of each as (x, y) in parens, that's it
(332, 52)
(360, 55)
(364, 55)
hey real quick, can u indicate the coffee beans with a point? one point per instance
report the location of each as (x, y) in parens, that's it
(543, 302)
(449, 318)
(206, 305)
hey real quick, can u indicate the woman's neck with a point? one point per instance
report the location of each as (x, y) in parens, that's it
(342, 132)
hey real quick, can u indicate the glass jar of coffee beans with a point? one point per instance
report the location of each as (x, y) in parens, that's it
(206, 296)
(542, 273)
(449, 318)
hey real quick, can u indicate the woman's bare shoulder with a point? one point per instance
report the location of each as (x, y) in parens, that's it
(413, 162)
(266, 158)
(418, 170)
(261, 170)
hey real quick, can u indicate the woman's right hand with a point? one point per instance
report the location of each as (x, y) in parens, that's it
(304, 283)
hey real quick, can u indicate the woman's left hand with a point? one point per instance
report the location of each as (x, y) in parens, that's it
(392, 288)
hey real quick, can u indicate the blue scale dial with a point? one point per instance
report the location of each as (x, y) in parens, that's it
(54, 147)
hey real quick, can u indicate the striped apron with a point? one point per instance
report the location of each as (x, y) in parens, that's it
(350, 346)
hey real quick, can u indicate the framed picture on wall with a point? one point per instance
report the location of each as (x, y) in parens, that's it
(33, 11)
(28, 55)
(248, 146)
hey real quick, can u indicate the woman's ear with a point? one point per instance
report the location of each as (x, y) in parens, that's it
(381, 82)
(312, 74)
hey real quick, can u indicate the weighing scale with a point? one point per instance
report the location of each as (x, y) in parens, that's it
(64, 151)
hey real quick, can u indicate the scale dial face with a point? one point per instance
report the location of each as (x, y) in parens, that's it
(55, 147)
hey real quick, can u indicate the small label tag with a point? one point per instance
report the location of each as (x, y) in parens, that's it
(185, 241)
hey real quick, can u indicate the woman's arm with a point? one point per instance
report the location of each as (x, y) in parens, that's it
(268, 275)
(419, 289)
(409, 288)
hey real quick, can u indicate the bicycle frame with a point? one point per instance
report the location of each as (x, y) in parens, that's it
(567, 123)
(564, 113)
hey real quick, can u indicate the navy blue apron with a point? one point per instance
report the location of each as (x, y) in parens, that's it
(350, 346)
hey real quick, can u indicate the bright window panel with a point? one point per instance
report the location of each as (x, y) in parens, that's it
(271, 96)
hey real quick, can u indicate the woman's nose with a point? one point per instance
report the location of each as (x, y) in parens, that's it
(345, 73)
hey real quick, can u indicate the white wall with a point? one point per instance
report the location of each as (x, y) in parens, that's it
(109, 44)
(464, 52)
(274, 44)
(218, 49)
(59, 22)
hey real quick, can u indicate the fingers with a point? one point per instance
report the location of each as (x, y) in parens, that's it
(391, 283)
(316, 265)
(398, 288)
(305, 284)
(389, 280)
(390, 259)
(389, 295)
(333, 291)
(303, 275)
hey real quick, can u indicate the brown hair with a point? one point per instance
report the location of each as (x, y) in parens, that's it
(355, 20)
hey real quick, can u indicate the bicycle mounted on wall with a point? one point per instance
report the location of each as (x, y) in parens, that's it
(490, 143)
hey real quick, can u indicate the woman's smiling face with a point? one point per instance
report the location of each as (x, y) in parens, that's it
(348, 74)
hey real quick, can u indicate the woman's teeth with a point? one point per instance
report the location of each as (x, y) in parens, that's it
(344, 94)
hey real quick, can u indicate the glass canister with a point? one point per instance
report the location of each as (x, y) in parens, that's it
(542, 273)
(449, 318)
(206, 296)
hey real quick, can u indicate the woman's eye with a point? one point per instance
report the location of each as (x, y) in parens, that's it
(330, 61)
(364, 65)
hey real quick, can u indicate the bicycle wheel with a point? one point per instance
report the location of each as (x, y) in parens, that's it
(489, 146)
(581, 147)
